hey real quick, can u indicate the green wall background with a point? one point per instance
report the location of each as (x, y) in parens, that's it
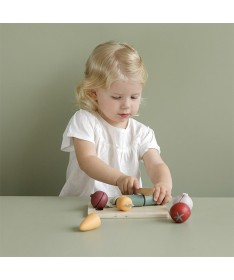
(189, 100)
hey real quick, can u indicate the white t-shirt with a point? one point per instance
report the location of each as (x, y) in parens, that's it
(120, 148)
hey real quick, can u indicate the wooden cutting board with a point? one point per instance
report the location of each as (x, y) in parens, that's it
(158, 211)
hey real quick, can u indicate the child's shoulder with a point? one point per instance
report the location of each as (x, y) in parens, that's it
(83, 118)
(143, 133)
(137, 125)
(84, 115)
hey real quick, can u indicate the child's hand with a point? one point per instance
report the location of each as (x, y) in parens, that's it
(162, 193)
(127, 184)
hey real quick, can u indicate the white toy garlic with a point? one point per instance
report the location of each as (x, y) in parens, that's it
(185, 198)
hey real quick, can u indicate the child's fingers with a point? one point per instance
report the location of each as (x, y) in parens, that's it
(156, 194)
(133, 184)
(161, 196)
(125, 187)
(166, 199)
(128, 184)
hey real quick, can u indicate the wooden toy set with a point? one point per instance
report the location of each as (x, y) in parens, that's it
(138, 205)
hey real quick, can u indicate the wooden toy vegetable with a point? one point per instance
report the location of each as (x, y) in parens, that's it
(99, 200)
(92, 221)
(124, 203)
(185, 198)
(138, 200)
(180, 212)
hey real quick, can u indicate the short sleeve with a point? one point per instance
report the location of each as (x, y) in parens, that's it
(147, 141)
(81, 126)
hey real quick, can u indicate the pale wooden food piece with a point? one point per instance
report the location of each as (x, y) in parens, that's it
(90, 222)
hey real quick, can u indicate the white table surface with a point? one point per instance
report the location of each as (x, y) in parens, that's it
(49, 226)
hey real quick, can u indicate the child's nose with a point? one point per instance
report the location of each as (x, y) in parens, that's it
(125, 103)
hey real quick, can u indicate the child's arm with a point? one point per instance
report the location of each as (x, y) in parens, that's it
(160, 176)
(97, 169)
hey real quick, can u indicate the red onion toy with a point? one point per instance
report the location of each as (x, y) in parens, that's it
(99, 200)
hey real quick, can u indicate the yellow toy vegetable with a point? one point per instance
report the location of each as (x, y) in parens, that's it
(92, 221)
(124, 203)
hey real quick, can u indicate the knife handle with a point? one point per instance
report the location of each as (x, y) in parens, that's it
(144, 191)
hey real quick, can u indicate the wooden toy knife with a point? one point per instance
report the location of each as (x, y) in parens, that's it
(144, 191)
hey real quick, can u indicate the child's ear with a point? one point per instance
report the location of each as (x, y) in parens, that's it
(93, 94)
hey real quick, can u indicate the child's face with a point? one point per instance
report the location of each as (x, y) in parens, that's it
(117, 104)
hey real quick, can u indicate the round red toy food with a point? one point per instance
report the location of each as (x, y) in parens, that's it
(180, 212)
(99, 200)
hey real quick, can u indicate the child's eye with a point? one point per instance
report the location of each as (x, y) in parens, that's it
(116, 97)
(134, 97)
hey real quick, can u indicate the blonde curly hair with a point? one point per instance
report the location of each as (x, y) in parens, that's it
(109, 62)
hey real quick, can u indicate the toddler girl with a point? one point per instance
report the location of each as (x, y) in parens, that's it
(104, 140)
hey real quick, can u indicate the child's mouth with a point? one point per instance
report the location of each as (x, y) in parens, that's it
(124, 115)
